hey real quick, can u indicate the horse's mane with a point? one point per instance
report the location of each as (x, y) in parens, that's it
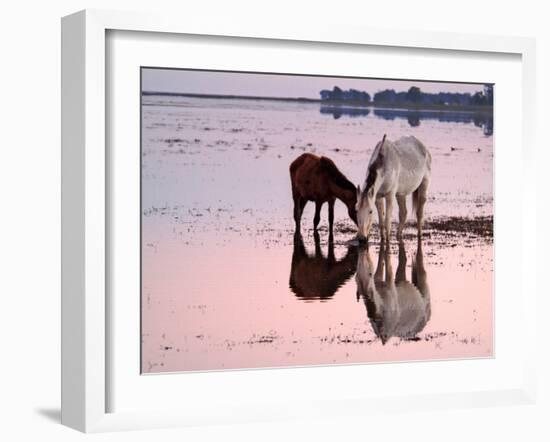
(338, 177)
(374, 166)
(371, 178)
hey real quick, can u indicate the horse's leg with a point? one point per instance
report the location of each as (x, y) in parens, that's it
(317, 217)
(297, 213)
(380, 208)
(296, 219)
(389, 209)
(379, 272)
(421, 197)
(402, 203)
(317, 240)
(401, 272)
(296, 199)
(387, 261)
(299, 204)
(330, 217)
(330, 253)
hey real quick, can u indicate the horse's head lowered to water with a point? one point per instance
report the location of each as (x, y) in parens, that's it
(366, 198)
(364, 208)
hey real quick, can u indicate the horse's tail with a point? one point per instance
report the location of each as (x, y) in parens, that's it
(416, 193)
(429, 159)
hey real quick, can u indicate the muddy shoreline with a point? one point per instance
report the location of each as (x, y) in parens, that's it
(480, 227)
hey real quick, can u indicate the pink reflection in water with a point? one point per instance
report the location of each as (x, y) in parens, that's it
(231, 307)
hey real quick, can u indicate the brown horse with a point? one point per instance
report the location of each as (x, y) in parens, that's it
(318, 179)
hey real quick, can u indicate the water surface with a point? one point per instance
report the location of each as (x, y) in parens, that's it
(227, 284)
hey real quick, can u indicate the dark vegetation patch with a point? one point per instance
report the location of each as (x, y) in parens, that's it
(479, 226)
(173, 140)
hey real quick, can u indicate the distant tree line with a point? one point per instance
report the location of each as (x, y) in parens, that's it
(413, 96)
(351, 95)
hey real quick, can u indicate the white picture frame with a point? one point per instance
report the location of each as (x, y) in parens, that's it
(85, 209)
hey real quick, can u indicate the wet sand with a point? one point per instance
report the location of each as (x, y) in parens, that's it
(225, 282)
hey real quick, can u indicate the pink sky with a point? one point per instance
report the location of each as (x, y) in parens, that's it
(277, 85)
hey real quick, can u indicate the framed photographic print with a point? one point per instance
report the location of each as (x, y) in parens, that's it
(238, 200)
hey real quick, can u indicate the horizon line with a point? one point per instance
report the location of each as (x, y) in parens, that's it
(370, 103)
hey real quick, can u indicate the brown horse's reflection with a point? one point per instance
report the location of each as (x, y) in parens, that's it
(395, 306)
(316, 276)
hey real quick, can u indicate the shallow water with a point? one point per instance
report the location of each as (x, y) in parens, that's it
(225, 282)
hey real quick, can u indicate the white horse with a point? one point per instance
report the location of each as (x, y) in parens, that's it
(395, 306)
(396, 169)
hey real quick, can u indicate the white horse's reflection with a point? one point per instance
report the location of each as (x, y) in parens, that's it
(395, 306)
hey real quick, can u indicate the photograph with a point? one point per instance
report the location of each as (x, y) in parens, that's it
(292, 220)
